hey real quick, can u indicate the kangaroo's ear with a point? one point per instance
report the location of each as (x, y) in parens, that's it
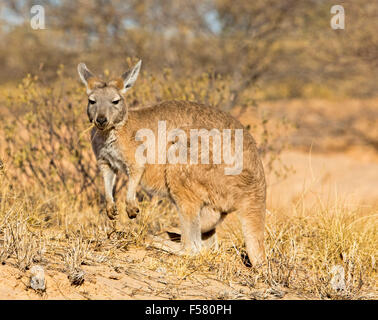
(129, 77)
(85, 75)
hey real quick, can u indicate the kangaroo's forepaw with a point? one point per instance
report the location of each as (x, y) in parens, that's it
(111, 211)
(132, 211)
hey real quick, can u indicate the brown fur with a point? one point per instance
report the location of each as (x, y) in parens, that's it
(95, 83)
(202, 193)
(118, 83)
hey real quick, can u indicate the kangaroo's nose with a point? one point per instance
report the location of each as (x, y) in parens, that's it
(101, 120)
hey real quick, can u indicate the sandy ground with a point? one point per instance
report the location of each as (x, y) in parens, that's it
(317, 177)
(351, 178)
(129, 281)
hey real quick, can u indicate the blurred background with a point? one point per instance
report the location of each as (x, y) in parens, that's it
(288, 47)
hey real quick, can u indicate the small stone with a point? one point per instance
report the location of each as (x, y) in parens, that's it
(338, 278)
(37, 279)
(161, 270)
(114, 276)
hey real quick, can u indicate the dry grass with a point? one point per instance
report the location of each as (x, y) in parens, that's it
(302, 246)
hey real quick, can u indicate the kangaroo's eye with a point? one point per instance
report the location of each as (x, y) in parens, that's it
(92, 101)
(116, 101)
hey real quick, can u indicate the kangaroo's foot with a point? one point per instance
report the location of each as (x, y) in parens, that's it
(132, 210)
(111, 211)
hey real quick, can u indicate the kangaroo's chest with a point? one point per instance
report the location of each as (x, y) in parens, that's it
(109, 151)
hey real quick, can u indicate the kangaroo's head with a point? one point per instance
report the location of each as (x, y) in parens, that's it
(106, 104)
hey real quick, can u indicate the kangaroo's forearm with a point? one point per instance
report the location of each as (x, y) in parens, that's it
(135, 176)
(109, 180)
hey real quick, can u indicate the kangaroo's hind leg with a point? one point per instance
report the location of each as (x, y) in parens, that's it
(190, 227)
(252, 218)
(210, 218)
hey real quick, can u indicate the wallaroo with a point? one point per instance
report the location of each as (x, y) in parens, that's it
(202, 191)
(178, 150)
